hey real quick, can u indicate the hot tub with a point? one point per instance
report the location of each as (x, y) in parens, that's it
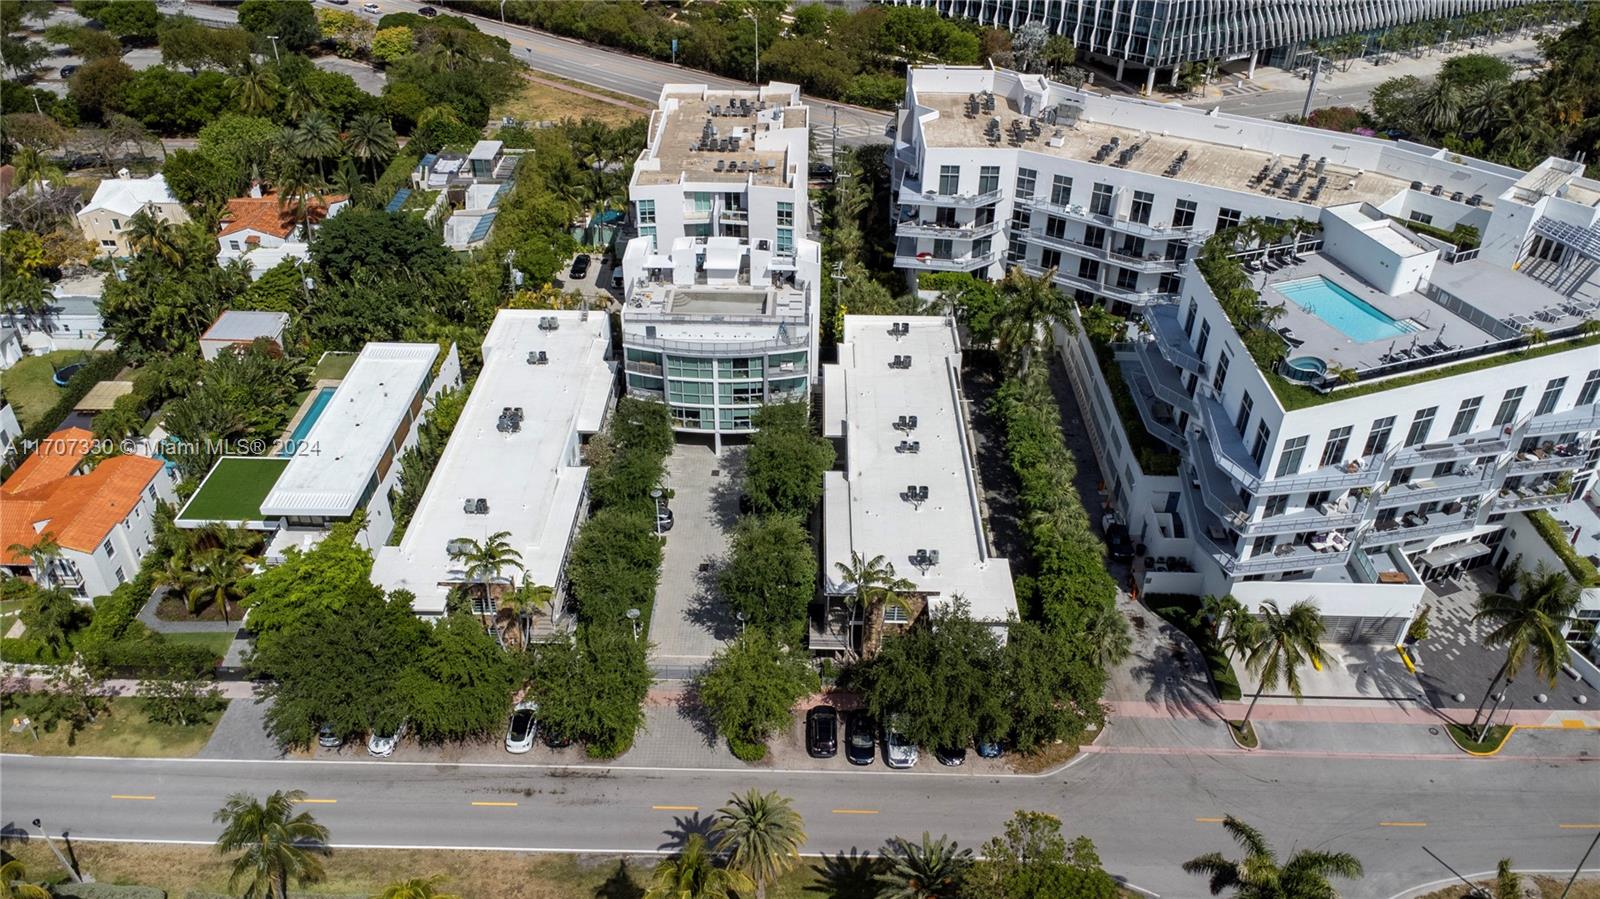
(1306, 369)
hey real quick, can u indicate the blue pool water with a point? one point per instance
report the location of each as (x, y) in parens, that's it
(308, 421)
(1354, 317)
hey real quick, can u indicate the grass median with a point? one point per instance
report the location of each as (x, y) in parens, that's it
(123, 730)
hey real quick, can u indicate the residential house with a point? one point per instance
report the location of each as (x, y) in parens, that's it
(236, 329)
(104, 220)
(267, 229)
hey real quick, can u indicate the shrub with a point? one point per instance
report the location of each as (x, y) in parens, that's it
(1582, 570)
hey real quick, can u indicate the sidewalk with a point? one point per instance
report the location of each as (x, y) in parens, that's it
(1336, 711)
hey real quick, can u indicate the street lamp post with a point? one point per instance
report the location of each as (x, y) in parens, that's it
(502, 12)
(756, 19)
(633, 619)
(71, 868)
(740, 617)
(655, 496)
(274, 39)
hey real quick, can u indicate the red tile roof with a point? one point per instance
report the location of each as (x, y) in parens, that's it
(265, 214)
(44, 497)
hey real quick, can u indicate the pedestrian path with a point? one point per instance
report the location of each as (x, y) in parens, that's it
(147, 617)
(1344, 713)
(690, 621)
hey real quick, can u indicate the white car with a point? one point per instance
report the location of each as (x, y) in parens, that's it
(523, 728)
(382, 746)
(898, 752)
(370, 9)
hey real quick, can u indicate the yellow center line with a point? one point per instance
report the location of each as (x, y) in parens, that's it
(1402, 824)
(127, 796)
(497, 804)
(317, 801)
(676, 808)
(855, 811)
(1209, 820)
(1580, 826)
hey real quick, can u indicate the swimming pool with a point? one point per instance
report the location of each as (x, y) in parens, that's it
(307, 421)
(1354, 317)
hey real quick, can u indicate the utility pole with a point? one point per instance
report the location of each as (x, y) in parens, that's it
(833, 154)
(71, 869)
(1311, 89)
(757, 20)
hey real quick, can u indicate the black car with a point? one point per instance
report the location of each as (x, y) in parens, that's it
(556, 740)
(1118, 544)
(860, 738)
(580, 266)
(427, 12)
(822, 732)
(989, 749)
(950, 756)
(67, 72)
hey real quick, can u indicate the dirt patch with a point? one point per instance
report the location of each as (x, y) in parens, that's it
(1544, 888)
(545, 98)
(124, 730)
(1046, 759)
(172, 608)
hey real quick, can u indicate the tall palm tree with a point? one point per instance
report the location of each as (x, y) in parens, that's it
(49, 616)
(149, 233)
(415, 888)
(317, 138)
(41, 555)
(218, 572)
(762, 834)
(275, 844)
(869, 582)
(179, 577)
(370, 138)
(14, 883)
(301, 100)
(1439, 107)
(933, 869)
(1027, 305)
(255, 89)
(520, 605)
(1529, 625)
(1259, 876)
(693, 874)
(1282, 642)
(301, 188)
(485, 559)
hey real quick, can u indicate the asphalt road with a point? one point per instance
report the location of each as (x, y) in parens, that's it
(1146, 811)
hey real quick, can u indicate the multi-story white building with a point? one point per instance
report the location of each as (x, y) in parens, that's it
(909, 488)
(1292, 484)
(514, 461)
(104, 220)
(722, 289)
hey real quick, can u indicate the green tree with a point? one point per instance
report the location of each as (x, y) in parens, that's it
(99, 85)
(1050, 689)
(693, 874)
(389, 45)
(371, 240)
(750, 687)
(371, 140)
(785, 462)
(1029, 305)
(591, 689)
(51, 616)
(1474, 69)
(149, 233)
(869, 583)
(1032, 860)
(1259, 875)
(460, 685)
(771, 573)
(415, 888)
(219, 572)
(85, 42)
(255, 89)
(932, 869)
(189, 43)
(1530, 625)
(973, 301)
(179, 700)
(130, 20)
(1283, 642)
(337, 569)
(615, 565)
(292, 21)
(761, 834)
(275, 844)
(485, 561)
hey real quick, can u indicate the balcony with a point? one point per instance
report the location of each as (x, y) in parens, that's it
(1283, 557)
(1413, 526)
(1163, 377)
(644, 368)
(1525, 499)
(1582, 418)
(1162, 320)
(930, 262)
(1336, 517)
(1082, 214)
(1471, 447)
(1131, 297)
(946, 232)
(910, 196)
(1148, 263)
(1473, 482)
(1155, 414)
(734, 216)
(1534, 463)
(1224, 445)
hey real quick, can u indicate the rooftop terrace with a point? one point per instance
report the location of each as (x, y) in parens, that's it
(693, 132)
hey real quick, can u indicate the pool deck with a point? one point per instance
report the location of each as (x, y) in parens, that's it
(304, 410)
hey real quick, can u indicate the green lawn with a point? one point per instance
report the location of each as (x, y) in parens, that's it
(217, 643)
(28, 385)
(333, 367)
(234, 489)
(124, 730)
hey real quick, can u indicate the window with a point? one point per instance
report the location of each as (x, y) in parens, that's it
(988, 179)
(112, 243)
(1089, 269)
(1183, 213)
(1100, 201)
(686, 367)
(895, 612)
(1221, 377)
(944, 249)
(1421, 425)
(785, 240)
(1127, 279)
(1177, 251)
(1421, 218)
(1188, 320)
(1016, 252)
(1508, 406)
(1465, 416)
(949, 179)
(1378, 437)
(650, 232)
(785, 214)
(1275, 506)
(1552, 395)
(1132, 246)
(981, 248)
(1338, 442)
(1061, 191)
(119, 575)
(702, 201)
(152, 491)
(116, 224)
(1242, 422)
(1591, 387)
(1227, 218)
(1094, 236)
(1026, 179)
(1021, 219)
(645, 211)
(1142, 203)
(1316, 499)
(110, 551)
(1055, 227)
(1170, 283)
(1049, 258)
(1258, 450)
(232, 244)
(944, 217)
(1205, 340)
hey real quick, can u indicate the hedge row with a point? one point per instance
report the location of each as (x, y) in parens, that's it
(1582, 570)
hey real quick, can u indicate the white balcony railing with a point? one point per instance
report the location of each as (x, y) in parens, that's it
(930, 262)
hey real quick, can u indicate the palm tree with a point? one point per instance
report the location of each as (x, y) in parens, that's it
(416, 888)
(485, 560)
(1282, 643)
(370, 138)
(149, 233)
(1217, 610)
(762, 834)
(1259, 876)
(1028, 304)
(49, 616)
(274, 843)
(518, 608)
(693, 874)
(41, 555)
(301, 188)
(869, 582)
(255, 89)
(14, 884)
(1529, 625)
(933, 869)
(178, 577)
(316, 138)
(217, 573)
(1106, 634)
(1439, 107)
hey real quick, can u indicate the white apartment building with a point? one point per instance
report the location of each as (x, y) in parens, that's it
(909, 488)
(1348, 494)
(514, 462)
(722, 289)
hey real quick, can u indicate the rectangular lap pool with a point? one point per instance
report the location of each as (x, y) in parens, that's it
(297, 439)
(1354, 317)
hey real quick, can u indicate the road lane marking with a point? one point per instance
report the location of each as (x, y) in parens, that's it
(1209, 820)
(1580, 826)
(497, 804)
(1402, 824)
(317, 801)
(129, 796)
(855, 811)
(676, 808)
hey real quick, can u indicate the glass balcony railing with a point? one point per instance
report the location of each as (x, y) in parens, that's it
(930, 262)
(946, 232)
(1410, 527)
(909, 195)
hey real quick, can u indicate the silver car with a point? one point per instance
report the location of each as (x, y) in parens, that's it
(381, 746)
(898, 752)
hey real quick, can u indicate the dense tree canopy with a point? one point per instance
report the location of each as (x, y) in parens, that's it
(771, 573)
(750, 687)
(786, 461)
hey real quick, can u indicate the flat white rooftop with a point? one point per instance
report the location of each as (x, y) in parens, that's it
(530, 479)
(865, 509)
(330, 471)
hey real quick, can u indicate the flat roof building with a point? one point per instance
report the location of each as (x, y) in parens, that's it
(513, 463)
(909, 489)
(238, 328)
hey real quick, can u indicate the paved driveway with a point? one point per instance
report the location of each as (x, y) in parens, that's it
(690, 621)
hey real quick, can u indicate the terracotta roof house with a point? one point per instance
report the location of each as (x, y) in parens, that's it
(101, 520)
(264, 230)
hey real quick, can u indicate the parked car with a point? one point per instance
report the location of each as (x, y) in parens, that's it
(580, 267)
(382, 746)
(898, 752)
(989, 749)
(340, 2)
(860, 738)
(1118, 544)
(523, 728)
(555, 740)
(327, 739)
(822, 732)
(950, 756)
(68, 72)
(370, 9)
(427, 12)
